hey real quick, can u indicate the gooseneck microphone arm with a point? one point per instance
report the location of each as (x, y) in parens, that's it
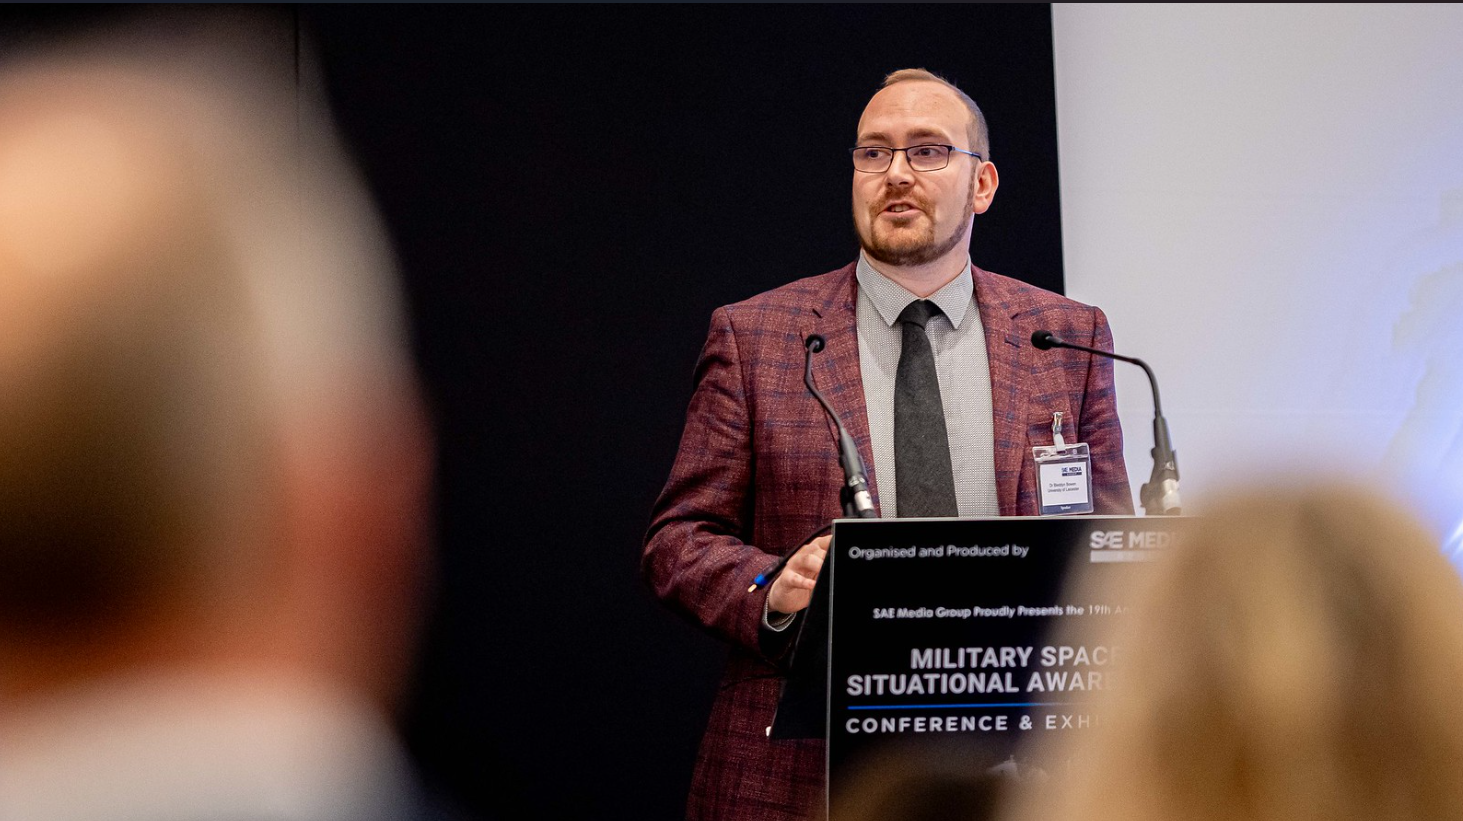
(857, 501)
(1160, 496)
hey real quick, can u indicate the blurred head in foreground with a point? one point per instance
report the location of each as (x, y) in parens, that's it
(1297, 658)
(918, 782)
(212, 458)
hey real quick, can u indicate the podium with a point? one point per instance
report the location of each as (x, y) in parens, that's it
(947, 630)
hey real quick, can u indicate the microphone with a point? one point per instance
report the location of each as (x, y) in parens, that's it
(1160, 495)
(857, 502)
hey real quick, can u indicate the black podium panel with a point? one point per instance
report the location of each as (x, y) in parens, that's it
(941, 630)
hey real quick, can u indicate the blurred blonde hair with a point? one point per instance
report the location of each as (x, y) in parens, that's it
(1298, 658)
(916, 781)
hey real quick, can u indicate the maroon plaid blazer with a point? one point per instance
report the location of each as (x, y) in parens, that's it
(758, 471)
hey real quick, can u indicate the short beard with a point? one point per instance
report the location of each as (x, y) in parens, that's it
(920, 250)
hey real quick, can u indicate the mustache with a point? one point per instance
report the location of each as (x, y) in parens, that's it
(913, 199)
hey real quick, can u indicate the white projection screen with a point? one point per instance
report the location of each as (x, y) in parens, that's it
(1267, 201)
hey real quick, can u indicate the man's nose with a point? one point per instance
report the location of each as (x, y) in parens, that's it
(899, 172)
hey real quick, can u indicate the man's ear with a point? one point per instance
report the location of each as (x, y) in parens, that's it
(358, 561)
(986, 181)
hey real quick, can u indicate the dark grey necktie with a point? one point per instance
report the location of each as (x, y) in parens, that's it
(924, 483)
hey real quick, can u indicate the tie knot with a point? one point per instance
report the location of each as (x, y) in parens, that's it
(918, 312)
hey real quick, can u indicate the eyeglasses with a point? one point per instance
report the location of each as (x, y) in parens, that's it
(876, 159)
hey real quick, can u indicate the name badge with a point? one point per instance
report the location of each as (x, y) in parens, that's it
(1063, 475)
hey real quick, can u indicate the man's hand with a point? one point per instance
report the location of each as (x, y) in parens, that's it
(793, 589)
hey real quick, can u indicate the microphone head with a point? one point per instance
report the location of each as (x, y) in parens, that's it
(813, 343)
(1044, 340)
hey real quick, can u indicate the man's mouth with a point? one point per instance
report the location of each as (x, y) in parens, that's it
(900, 208)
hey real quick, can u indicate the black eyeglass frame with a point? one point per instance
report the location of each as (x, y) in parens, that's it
(892, 151)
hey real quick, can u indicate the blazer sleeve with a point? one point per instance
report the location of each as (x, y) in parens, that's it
(696, 558)
(1101, 429)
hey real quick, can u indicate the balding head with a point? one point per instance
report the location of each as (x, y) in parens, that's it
(977, 133)
(210, 421)
(131, 421)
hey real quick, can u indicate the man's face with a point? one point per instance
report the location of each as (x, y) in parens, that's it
(908, 217)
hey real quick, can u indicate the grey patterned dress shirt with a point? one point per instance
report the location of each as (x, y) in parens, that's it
(963, 369)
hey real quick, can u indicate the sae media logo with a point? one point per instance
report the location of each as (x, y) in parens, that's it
(1127, 545)
(1072, 470)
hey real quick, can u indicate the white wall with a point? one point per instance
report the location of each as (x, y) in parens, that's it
(1268, 203)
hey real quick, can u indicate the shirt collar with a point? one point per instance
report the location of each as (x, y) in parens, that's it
(890, 298)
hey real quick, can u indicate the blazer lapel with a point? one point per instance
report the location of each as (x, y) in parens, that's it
(1010, 360)
(836, 370)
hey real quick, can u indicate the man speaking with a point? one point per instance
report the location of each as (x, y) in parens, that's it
(929, 364)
